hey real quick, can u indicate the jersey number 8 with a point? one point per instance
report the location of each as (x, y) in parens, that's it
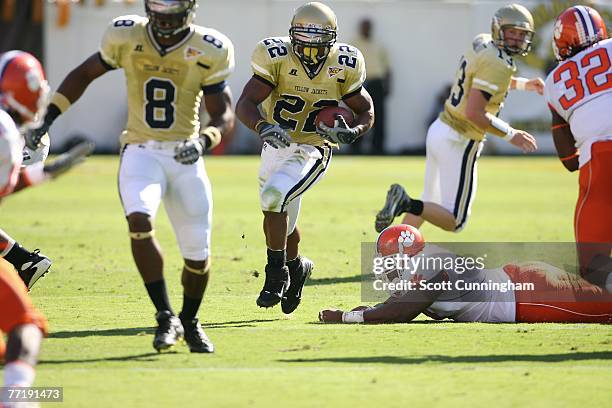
(160, 97)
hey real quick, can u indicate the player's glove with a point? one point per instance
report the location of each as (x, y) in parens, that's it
(274, 135)
(189, 151)
(341, 132)
(33, 137)
(69, 159)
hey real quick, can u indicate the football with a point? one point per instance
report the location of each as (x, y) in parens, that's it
(328, 115)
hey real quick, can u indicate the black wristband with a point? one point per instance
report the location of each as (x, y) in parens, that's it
(206, 140)
(52, 113)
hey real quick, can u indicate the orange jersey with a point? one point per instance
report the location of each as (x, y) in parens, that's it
(15, 303)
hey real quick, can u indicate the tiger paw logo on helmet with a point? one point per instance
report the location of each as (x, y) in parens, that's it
(405, 240)
(400, 240)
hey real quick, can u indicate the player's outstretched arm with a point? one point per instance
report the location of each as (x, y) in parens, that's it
(564, 142)
(396, 309)
(254, 93)
(41, 172)
(392, 311)
(70, 90)
(476, 113)
(524, 84)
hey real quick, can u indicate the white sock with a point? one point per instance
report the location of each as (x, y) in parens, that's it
(18, 374)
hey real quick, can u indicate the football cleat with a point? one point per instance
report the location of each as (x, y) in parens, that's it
(298, 278)
(34, 268)
(69, 159)
(276, 284)
(397, 202)
(169, 330)
(195, 337)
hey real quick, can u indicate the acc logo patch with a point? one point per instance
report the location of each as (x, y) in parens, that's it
(333, 71)
(192, 53)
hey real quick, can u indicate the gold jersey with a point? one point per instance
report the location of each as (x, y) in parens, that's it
(165, 85)
(484, 67)
(296, 98)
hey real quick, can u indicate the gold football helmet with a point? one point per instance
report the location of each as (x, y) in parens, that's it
(517, 17)
(313, 33)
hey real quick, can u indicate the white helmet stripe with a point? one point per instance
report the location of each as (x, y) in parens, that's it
(587, 22)
(580, 27)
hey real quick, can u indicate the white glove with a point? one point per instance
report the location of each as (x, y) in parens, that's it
(341, 132)
(274, 135)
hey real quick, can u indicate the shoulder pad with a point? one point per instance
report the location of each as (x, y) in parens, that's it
(482, 42)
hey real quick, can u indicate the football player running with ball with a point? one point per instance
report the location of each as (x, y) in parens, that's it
(455, 139)
(293, 79)
(579, 94)
(169, 64)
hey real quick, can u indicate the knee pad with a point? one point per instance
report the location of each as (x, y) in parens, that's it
(271, 198)
(194, 241)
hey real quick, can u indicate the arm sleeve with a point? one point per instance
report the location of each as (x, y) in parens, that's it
(262, 65)
(491, 76)
(111, 45)
(223, 66)
(355, 77)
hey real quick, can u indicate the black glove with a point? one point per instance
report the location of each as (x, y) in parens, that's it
(34, 136)
(189, 151)
(274, 135)
(341, 132)
(69, 159)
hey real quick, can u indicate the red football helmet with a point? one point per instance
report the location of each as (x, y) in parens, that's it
(24, 90)
(400, 239)
(577, 28)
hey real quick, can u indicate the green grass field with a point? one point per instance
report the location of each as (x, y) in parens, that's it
(102, 321)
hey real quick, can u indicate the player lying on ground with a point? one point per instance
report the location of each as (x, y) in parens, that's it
(579, 94)
(454, 141)
(171, 65)
(556, 296)
(21, 105)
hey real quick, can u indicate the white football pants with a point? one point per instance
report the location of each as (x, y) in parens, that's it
(149, 174)
(285, 174)
(451, 171)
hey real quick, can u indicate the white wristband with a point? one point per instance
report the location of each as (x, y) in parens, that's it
(503, 127)
(352, 317)
(520, 84)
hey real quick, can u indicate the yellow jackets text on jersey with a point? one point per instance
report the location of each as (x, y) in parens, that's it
(484, 67)
(165, 86)
(296, 98)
